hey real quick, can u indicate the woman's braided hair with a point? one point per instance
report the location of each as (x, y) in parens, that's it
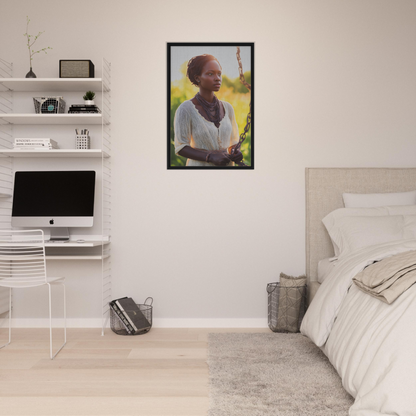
(196, 64)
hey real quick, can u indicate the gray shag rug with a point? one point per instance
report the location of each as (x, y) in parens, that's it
(274, 374)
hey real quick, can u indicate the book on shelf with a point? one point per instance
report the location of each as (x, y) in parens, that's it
(35, 144)
(34, 147)
(36, 140)
(82, 108)
(133, 314)
(84, 111)
(121, 317)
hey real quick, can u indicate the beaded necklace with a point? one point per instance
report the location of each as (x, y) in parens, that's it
(212, 110)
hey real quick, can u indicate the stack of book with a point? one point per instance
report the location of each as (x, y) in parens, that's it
(83, 109)
(35, 144)
(130, 315)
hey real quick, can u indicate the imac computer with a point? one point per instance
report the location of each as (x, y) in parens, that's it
(54, 199)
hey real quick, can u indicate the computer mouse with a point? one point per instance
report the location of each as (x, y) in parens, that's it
(80, 241)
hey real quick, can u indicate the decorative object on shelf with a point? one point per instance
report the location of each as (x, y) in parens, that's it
(30, 43)
(82, 141)
(35, 144)
(89, 98)
(73, 68)
(49, 105)
(30, 74)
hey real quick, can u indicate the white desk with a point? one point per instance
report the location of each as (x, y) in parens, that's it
(72, 250)
(74, 243)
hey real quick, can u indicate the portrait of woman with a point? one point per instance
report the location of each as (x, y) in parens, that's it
(204, 127)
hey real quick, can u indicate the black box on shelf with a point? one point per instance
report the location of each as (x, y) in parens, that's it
(75, 68)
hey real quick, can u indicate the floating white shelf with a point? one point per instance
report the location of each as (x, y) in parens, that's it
(56, 257)
(75, 244)
(60, 244)
(81, 153)
(61, 119)
(52, 84)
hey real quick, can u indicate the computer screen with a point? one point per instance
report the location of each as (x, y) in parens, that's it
(53, 199)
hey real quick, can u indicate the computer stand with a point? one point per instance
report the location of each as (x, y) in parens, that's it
(59, 234)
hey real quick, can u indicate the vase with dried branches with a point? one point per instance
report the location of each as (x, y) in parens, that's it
(30, 42)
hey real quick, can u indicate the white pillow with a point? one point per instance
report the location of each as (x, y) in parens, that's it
(333, 218)
(379, 200)
(352, 233)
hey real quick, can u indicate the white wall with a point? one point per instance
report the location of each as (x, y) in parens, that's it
(335, 86)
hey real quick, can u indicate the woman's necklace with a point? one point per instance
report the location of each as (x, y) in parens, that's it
(212, 110)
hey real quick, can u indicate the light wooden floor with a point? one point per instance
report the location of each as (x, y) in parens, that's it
(162, 373)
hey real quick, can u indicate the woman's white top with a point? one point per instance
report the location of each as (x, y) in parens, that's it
(192, 129)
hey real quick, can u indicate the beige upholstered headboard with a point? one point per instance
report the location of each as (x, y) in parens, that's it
(324, 189)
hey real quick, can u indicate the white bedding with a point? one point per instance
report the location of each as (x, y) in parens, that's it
(371, 344)
(325, 267)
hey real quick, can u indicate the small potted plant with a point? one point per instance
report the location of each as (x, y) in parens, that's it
(89, 98)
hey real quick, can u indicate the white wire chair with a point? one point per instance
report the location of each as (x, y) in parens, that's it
(23, 265)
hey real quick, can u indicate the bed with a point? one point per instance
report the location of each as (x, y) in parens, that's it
(370, 343)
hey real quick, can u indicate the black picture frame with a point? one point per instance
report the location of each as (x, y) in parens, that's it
(176, 50)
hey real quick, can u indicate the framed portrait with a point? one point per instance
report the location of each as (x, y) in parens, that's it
(210, 105)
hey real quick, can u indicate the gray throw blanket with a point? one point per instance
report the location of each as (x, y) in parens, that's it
(388, 278)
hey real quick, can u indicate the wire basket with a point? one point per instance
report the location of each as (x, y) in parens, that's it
(117, 325)
(49, 105)
(286, 307)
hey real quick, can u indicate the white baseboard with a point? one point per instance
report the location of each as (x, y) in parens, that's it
(157, 323)
(56, 323)
(210, 323)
